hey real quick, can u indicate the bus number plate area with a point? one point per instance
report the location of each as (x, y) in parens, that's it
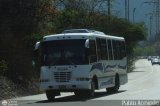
(62, 86)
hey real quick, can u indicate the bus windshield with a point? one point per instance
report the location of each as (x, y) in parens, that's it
(64, 52)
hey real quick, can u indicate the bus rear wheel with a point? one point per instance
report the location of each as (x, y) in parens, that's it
(51, 95)
(116, 87)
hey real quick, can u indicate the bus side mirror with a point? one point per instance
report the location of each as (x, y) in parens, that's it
(33, 63)
(87, 43)
(36, 54)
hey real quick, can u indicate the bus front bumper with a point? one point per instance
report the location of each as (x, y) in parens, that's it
(81, 85)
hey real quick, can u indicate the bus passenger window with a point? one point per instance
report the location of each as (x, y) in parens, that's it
(119, 50)
(123, 49)
(104, 52)
(98, 42)
(114, 49)
(92, 51)
(110, 50)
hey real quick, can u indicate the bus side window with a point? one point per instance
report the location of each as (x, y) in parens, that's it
(104, 52)
(98, 42)
(123, 49)
(114, 49)
(107, 49)
(110, 49)
(92, 51)
(118, 50)
(119, 46)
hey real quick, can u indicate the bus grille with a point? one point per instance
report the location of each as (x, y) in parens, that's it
(62, 76)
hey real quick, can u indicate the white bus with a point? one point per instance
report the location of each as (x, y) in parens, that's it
(80, 61)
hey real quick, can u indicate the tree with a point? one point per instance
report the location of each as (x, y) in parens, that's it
(23, 22)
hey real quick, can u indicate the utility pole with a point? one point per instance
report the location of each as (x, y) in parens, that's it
(156, 14)
(109, 8)
(109, 13)
(150, 29)
(134, 13)
(127, 10)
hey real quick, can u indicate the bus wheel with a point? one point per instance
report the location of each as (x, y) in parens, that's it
(116, 87)
(51, 94)
(91, 92)
(79, 93)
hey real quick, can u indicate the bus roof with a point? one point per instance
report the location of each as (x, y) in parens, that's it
(83, 35)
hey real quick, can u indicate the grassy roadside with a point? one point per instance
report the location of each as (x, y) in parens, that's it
(8, 89)
(130, 65)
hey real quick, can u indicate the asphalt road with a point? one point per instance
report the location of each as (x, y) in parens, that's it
(143, 88)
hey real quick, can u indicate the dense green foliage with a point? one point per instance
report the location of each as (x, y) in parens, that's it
(23, 22)
(145, 51)
(3, 67)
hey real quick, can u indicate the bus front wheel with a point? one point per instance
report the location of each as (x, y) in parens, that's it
(91, 92)
(86, 93)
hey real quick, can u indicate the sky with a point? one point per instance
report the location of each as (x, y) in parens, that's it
(142, 11)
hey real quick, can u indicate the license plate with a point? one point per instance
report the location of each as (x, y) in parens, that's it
(62, 86)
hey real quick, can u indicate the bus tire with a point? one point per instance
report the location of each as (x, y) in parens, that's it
(116, 87)
(91, 92)
(50, 94)
(79, 93)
